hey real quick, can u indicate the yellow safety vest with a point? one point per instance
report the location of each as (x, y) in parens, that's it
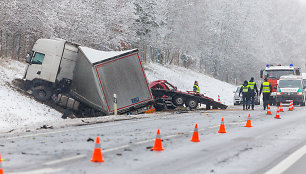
(252, 85)
(266, 87)
(245, 89)
(196, 88)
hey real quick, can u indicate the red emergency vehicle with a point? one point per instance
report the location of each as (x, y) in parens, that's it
(273, 74)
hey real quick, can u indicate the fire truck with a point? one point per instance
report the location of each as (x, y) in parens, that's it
(273, 74)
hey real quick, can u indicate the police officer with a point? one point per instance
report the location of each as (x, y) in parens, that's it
(245, 90)
(254, 89)
(265, 89)
(196, 87)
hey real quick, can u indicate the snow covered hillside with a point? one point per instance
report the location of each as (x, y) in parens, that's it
(17, 110)
(20, 113)
(184, 78)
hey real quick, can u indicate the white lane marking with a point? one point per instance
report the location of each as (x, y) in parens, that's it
(116, 148)
(64, 159)
(68, 130)
(81, 128)
(288, 162)
(39, 171)
(121, 147)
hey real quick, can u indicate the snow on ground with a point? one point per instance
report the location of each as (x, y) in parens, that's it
(184, 79)
(16, 110)
(21, 113)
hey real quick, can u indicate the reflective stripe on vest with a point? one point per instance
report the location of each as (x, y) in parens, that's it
(245, 88)
(252, 85)
(196, 88)
(265, 87)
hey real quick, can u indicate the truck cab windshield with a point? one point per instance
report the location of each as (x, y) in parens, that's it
(38, 58)
(272, 74)
(290, 84)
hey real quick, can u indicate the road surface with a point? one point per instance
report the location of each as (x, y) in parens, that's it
(126, 145)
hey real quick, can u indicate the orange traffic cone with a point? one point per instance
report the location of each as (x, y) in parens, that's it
(158, 142)
(195, 135)
(1, 169)
(248, 123)
(268, 110)
(222, 127)
(281, 107)
(277, 114)
(97, 154)
(219, 101)
(290, 108)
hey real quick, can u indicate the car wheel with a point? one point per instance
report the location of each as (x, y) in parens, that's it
(42, 93)
(178, 100)
(192, 103)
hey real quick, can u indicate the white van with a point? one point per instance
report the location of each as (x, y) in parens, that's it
(290, 88)
(304, 80)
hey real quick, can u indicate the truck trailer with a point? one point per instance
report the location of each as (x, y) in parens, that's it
(85, 80)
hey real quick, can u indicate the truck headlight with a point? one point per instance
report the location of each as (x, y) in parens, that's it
(278, 93)
(300, 93)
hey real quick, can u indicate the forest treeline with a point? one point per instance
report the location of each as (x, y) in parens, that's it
(229, 40)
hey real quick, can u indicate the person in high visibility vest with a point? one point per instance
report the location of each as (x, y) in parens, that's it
(253, 92)
(245, 90)
(265, 89)
(196, 87)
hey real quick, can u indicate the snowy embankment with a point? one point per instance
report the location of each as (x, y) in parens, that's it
(22, 113)
(16, 110)
(184, 79)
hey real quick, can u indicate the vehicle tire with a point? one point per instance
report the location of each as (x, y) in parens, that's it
(302, 104)
(42, 93)
(192, 103)
(178, 100)
(277, 103)
(159, 107)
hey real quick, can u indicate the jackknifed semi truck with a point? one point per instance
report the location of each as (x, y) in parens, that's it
(84, 80)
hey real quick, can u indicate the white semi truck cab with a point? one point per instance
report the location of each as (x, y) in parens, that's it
(51, 60)
(84, 79)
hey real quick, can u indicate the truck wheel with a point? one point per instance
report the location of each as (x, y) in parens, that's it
(178, 100)
(42, 93)
(192, 103)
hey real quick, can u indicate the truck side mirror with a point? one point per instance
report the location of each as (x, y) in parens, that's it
(261, 73)
(28, 58)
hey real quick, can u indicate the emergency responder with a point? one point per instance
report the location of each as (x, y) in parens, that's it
(196, 87)
(254, 89)
(245, 90)
(265, 89)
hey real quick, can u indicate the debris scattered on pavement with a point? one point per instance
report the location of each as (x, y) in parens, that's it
(90, 139)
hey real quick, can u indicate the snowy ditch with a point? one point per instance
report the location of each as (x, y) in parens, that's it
(21, 113)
